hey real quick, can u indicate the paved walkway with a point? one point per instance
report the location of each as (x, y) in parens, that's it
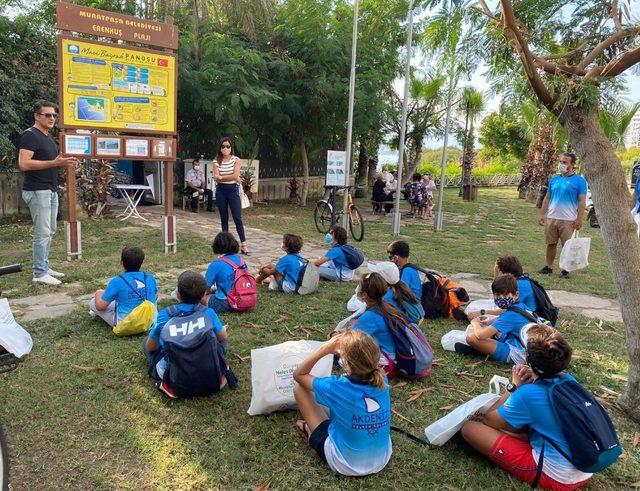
(265, 247)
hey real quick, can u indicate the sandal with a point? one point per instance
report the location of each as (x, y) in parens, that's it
(244, 250)
(303, 430)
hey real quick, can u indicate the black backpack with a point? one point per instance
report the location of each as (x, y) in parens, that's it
(195, 359)
(435, 295)
(586, 426)
(544, 307)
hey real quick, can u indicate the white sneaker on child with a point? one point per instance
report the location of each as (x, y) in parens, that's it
(55, 274)
(47, 279)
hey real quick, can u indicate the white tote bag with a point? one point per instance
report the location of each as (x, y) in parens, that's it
(575, 253)
(272, 374)
(13, 336)
(439, 432)
(244, 199)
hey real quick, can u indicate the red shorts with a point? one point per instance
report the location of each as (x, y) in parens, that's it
(514, 456)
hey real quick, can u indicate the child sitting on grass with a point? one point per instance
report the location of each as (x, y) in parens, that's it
(526, 409)
(126, 291)
(283, 276)
(220, 273)
(346, 419)
(399, 294)
(192, 360)
(500, 336)
(334, 265)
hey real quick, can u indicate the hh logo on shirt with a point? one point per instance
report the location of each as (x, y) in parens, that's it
(186, 328)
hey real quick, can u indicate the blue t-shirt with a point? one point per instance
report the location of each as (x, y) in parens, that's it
(525, 294)
(413, 312)
(509, 324)
(529, 406)
(289, 267)
(360, 421)
(125, 297)
(336, 254)
(164, 316)
(411, 277)
(374, 324)
(638, 191)
(220, 275)
(564, 196)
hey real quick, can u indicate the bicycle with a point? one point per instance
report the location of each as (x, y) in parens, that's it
(8, 362)
(326, 216)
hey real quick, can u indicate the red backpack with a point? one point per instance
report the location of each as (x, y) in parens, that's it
(243, 294)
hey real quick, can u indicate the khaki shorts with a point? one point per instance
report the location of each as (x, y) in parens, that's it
(558, 229)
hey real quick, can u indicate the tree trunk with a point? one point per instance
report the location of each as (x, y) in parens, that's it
(363, 169)
(305, 174)
(467, 158)
(464, 149)
(610, 193)
(372, 166)
(196, 32)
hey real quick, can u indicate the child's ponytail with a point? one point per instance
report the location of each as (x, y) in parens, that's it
(378, 377)
(361, 354)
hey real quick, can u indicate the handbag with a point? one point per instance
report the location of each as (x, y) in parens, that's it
(244, 199)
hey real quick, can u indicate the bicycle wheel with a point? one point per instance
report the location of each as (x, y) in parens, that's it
(322, 216)
(356, 223)
(4, 462)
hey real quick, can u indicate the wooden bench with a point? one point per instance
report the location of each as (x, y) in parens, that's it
(186, 202)
(378, 206)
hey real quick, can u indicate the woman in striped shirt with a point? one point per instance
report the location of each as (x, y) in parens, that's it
(226, 173)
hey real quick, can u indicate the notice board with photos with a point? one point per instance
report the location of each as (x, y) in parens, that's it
(107, 86)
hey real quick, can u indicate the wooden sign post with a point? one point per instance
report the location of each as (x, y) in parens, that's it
(107, 88)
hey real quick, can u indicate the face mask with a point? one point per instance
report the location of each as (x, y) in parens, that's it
(328, 238)
(504, 302)
(282, 246)
(196, 167)
(562, 168)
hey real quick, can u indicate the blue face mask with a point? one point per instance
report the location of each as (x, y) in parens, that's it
(504, 302)
(328, 239)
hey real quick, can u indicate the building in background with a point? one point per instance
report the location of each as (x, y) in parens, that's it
(632, 137)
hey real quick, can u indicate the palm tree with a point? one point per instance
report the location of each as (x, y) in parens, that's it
(472, 104)
(615, 119)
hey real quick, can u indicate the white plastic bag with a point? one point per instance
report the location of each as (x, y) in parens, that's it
(13, 336)
(478, 305)
(355, 304)
(439, 432)
(272, 374)
(575, 253)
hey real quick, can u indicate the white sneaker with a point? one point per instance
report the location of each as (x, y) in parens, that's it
(55, 274)
(47, 280)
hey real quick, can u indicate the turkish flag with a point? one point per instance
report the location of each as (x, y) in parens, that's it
(163, 62)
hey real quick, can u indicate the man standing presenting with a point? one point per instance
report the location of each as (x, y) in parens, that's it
(38, 158)
(197, 184)
(562, 208)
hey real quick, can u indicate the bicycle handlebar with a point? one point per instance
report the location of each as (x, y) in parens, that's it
(13, 268)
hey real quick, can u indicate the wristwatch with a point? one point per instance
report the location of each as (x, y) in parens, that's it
(482, 311)
(511, 387)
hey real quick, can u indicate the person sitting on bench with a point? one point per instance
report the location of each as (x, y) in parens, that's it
(196, 186)
(381, 195)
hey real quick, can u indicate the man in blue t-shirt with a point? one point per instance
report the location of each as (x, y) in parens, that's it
(500, 337)
(126, 291)
(398, 253)
(191, 291)
(562, 208)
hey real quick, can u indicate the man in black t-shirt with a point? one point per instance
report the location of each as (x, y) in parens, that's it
(39, 159)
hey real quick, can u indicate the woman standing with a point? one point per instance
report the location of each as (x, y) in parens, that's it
(226, 173)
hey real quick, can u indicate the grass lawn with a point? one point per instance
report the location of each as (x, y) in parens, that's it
(74, 429)
(474, 235)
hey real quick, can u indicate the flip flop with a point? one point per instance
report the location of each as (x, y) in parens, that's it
(301, 428)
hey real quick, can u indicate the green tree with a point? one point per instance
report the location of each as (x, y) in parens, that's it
(504, 135)
(569, 62)
(471, 105)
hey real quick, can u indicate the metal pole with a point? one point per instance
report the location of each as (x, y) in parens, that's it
(395, 227)
(352, 90)
(447, 126)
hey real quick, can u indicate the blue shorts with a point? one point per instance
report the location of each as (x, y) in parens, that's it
(318, 437)
(502, 352)
(218, 304)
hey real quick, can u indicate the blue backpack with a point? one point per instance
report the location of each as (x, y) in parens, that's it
(586, 426)
(353, 255)
(195, 359)
(413, 312)
(414, 355)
